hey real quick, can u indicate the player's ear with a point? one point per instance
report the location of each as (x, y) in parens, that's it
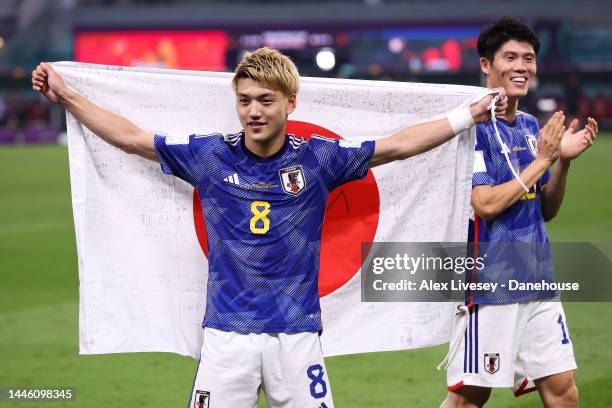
(291, 103)
(484, 65)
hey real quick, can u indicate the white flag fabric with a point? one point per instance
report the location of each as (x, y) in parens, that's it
(142, 264)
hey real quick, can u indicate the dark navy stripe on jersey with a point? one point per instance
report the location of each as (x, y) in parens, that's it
(476, 358)
(470, 342)
(471, 327)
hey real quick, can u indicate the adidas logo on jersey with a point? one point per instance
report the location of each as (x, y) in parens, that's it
(233, 179)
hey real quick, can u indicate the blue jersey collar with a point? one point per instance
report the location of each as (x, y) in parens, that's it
(257, 158)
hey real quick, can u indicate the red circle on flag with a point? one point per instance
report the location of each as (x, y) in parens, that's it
(351, 217)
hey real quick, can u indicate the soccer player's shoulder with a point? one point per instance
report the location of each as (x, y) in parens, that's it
(526, 118)
(217, 139)
(322, 147)
(229, 139)
(297, 142)
(174, 139)
(528, 124)
(315, 143)
(321, 142)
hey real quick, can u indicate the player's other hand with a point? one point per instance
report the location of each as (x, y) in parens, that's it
(549, 141)
(574, 143)
(480, 110)
(48, 82)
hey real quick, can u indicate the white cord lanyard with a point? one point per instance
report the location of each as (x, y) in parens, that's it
(462, 322)
(504, 148)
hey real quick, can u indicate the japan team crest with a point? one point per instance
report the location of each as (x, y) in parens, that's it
(491, 362)
(532, 142)
(202, 399)
(292, 179)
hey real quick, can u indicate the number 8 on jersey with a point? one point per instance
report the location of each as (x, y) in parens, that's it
(260, 223)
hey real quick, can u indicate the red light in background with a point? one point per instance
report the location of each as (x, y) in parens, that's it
(452, 53)
(198, 50)
(342, 39)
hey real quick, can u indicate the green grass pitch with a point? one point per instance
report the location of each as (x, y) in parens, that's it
(39, 309)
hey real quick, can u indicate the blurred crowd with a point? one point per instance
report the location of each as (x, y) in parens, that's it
(26, 118)
(599, 107)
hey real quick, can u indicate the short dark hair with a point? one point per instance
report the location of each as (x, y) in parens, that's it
(503, 30)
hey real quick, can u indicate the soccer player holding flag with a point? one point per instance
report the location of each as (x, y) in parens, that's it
(508, 339)
(264, 195)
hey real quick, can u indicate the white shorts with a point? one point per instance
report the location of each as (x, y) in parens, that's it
(234, 367)
(510, 346)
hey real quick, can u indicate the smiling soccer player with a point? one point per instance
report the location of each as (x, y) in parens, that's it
(508, 338)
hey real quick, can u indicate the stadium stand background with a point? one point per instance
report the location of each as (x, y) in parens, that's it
(422, 41)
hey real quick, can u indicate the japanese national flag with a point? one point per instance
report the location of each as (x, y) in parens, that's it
(142, 264)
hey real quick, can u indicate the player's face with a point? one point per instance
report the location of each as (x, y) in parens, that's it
(262, 111)
(513, 68)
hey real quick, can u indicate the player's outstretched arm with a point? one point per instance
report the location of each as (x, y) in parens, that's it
(489, 201)
(423, 137)
(573, 144)
(110, 127)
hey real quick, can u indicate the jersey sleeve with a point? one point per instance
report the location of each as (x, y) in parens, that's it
(184, 157)
(483, 163)
(345, 161)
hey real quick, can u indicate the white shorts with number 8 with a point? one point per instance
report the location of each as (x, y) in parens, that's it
(234, 367)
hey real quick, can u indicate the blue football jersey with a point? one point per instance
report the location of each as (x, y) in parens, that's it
(515, 243)
(264, 218)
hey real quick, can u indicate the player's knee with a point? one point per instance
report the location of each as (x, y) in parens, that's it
(569, 397)
(572, 395)
(450, 401)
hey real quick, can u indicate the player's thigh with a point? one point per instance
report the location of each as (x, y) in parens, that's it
(487, 347)
(229, 372)
(294, 373)
(547, 348)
